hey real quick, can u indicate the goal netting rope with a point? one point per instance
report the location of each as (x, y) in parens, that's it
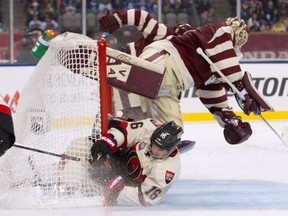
(58, 107)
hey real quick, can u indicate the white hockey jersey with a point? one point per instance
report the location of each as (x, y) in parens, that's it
(155, 176)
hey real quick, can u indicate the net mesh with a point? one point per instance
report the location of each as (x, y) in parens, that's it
(59, 106)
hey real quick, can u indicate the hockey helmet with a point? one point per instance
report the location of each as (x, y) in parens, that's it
(167, 136)
(240, 30)
(181, 28)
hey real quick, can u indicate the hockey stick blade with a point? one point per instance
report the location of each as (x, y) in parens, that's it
(274, 131)
(185, 146)
(68, 157)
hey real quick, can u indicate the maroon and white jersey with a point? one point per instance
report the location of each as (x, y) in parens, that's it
(155, 176)
(217, 41)
(152, 29)
(6, 122)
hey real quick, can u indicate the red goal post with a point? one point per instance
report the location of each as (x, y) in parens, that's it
(105, 89)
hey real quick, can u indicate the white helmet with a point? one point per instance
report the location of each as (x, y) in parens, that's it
(240, 30)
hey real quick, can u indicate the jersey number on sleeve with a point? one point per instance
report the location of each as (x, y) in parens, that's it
(136, 125)
(153, 192)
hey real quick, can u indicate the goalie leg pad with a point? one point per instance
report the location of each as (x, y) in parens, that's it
(254, 94)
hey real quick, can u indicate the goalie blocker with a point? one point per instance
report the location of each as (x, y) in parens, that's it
(254, 101)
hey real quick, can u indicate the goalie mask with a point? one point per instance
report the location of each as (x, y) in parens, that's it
(240, 30)
(165, 137)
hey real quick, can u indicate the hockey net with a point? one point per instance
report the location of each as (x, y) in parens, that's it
(60, 107)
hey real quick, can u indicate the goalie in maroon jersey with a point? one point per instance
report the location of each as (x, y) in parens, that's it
(185, 68)
(136, 162)
(7, 137)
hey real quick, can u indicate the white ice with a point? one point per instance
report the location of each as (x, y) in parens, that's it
(216, 178)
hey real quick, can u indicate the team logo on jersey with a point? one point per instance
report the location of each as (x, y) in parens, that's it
(212, 79)
(169, 176)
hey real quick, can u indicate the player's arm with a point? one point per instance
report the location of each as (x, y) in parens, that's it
(152, 29)
(122, 133)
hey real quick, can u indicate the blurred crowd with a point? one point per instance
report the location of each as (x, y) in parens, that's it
(65, 15)
(265, 15)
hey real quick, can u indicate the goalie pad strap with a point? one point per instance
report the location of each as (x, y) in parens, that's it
(254, 93)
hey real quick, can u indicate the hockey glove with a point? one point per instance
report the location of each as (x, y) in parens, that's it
(235, 131)
(112, 189)
(5, 141)
(254, 101)
(110, 23)
(248, 105)
(104, 147)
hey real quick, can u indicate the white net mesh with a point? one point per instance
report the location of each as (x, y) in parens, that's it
(56, 113)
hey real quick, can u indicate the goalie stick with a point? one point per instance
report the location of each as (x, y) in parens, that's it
(200, 52)
(133, 60)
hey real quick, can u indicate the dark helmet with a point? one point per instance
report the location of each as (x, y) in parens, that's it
(181, 28)
(167, 136)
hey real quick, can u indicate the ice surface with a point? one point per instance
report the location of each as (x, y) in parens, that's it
(216, 178)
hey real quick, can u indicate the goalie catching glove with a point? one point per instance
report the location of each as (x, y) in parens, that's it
(254, 101)
(235, 131)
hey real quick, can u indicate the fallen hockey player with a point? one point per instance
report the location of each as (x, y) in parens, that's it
(137, 162)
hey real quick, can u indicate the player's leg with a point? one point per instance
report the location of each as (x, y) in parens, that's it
(166, 106)
(164, 109)
(128, 104)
